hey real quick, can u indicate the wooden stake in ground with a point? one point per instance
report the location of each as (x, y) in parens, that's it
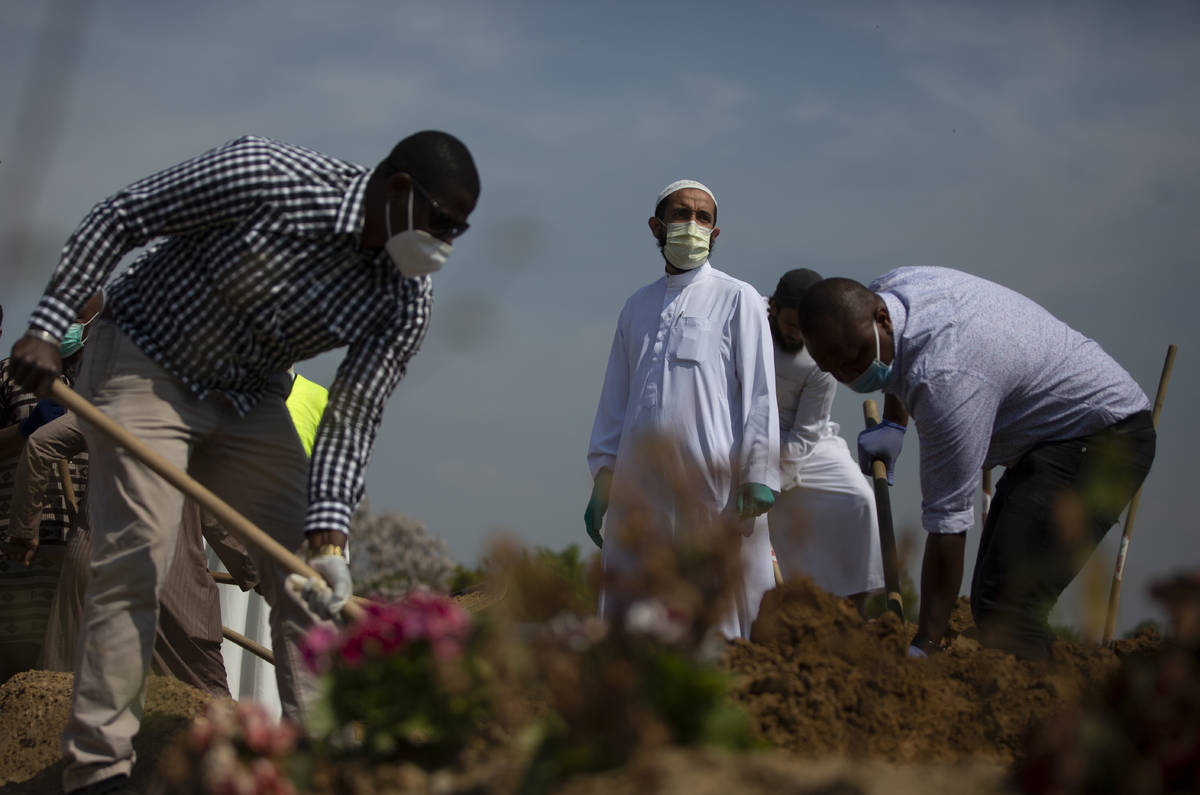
(883, 509)
(1114, 594)
(245, 530)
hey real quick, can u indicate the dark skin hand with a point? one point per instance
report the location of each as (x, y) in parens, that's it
(35, 365)
(19, 549)
(941, 576)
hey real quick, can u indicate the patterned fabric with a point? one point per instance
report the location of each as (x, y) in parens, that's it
(27, 593)
(260, 268)
(986, 374)
(15, 405)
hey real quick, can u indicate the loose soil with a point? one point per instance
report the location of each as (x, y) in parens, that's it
(819, 681)
(846, 711)
(33, 712)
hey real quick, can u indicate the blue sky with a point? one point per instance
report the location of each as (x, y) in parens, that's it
(1050, 147)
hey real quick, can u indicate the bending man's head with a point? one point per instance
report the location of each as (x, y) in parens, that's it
(436, 173)
(839, 319)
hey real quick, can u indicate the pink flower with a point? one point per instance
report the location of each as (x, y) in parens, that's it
(255, 725)
(352, 651)
(317, 645)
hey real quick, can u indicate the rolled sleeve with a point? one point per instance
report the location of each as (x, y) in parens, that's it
(954, 414)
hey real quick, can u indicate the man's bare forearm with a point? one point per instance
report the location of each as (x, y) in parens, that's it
(941, 576)
(894, 410)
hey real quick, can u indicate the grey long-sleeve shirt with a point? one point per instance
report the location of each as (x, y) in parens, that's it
(986, 374)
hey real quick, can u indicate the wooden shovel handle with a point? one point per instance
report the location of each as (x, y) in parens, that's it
(883, 513)
(240, 526)
(68, 487)
(871, 415)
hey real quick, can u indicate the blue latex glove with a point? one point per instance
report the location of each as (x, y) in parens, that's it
(45, 411)
(916, 653)
(593, 517)
(754, 499)
(881, 442)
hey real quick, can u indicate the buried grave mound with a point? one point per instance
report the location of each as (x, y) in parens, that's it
(33, 711)
(818, 680)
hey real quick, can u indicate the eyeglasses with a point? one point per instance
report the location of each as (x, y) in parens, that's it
(442, 224)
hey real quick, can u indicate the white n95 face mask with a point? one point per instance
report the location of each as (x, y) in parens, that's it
(686, 246)
(414, 251)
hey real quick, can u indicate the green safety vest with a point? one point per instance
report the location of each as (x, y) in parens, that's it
(306, 404)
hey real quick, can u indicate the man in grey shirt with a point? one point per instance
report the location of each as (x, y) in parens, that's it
(990, 379)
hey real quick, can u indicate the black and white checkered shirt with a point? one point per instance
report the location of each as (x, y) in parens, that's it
(259, 267)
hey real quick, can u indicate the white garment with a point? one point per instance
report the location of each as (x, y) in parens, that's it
(250, 677)
(824, 525)
(691, 365)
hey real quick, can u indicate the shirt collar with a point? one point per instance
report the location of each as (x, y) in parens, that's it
(677, 281)
(351, 215)
(899, 315)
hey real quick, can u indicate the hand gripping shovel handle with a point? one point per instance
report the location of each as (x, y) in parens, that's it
(245, 530)
(883, 509)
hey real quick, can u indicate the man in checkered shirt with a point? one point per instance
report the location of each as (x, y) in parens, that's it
(269, 254)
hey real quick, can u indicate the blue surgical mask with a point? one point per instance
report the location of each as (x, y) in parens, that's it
(876, 375)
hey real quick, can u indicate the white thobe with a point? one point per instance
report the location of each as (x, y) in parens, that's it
(824, 524)
(691, 367)
(250, 677)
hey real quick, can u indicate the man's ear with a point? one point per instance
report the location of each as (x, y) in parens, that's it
(399, 182)
(883, 317)
(656, 227)
(715, 232)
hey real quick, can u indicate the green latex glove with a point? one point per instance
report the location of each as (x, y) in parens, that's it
(593, 517)
(754, 499)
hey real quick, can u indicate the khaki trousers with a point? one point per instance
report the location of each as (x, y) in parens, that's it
(255, 463)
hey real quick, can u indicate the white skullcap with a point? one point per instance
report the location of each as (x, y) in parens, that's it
(680, 184)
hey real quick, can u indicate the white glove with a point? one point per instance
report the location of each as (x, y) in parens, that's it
(325, 595)
(916, 653)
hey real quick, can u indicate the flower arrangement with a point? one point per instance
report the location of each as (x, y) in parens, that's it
(407, 677)
(241, 751)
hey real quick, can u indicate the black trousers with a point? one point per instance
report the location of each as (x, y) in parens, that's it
(1051, 509)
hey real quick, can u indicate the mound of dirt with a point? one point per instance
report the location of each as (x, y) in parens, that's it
(711, 772)
(33, 712)
(820, 681)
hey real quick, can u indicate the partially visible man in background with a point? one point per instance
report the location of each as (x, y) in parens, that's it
(691, 374)
(823, 525)
(27, 591)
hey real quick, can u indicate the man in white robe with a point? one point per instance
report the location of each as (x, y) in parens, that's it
(823, 525)
(687, 431)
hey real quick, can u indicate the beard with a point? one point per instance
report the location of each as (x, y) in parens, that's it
(783, 344)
